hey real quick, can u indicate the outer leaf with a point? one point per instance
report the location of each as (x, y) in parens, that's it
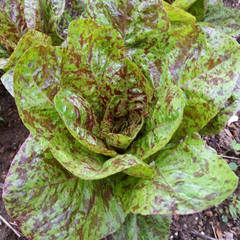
(187, 181)
(47, 202)
(223, 19)
(135, 20)
(138, 227)
(178, 17)
(203, 62)
(164, 119)
(230, 108)
(51, 11)
(30, 39)
(37, 79)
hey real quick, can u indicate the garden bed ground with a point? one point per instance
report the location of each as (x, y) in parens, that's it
(208, 224)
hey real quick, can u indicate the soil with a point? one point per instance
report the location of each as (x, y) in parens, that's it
(209, 224)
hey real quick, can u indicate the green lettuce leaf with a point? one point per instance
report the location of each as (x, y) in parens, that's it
(134, 20)
(32, 38)
(187, 181)
(230, 108)
(196, 8)
(52, 203)
(203, 62)
(138, 227)
(177, 16)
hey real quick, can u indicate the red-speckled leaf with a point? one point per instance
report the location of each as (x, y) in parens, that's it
(230, 108)
(80, 119)
(191, 177)
(164, 119)
(138, 227)
(177, 16)
(51, 11)
(48, 202)
(37, 79)
(32, 38)
(203, 62)
(89, 165)
(32, 14)
(134, 20)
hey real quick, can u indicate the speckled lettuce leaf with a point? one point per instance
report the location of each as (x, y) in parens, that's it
(134, 20)
(89, 165)
(177, 16)
(203, 62)
(51, 11)
(47, 201)
(187, 181)
(164, 119)
(37, 78)
(230, 108)
(32, 38)
(223, 19)
(138, 227)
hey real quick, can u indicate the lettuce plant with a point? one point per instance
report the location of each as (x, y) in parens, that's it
(114, 115)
